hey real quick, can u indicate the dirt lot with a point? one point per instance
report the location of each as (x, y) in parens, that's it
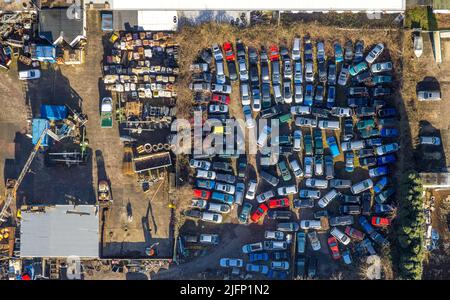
(78, 87)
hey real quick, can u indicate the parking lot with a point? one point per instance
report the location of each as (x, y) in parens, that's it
(326, 266)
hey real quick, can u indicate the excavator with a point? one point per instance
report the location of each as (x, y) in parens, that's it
(12, 185)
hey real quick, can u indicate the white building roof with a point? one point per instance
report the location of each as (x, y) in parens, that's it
(157, 20)
(295, 5)
(60, 231)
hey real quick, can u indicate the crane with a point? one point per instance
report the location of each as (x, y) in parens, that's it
(13, 185)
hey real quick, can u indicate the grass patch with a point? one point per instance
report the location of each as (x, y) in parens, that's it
(421, 17)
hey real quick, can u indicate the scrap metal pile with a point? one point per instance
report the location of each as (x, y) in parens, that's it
(141, 69)
(15, 34)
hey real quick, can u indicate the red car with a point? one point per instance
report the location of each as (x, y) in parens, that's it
(274, 54)
(332, 243)
(380, 222)
(277, 203)
(229, 53)
(202, 194)
(224, 99)
(259, 212)
(354, 233)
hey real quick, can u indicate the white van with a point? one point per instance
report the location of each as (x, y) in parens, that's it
(296, 54)
(245, 94)
(340, 236)
(330, 196)
(277, 93)
(262, 139)
(329, 124)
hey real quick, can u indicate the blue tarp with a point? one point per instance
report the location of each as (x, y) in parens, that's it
(53, 112)
(45, 53)
(38, 126)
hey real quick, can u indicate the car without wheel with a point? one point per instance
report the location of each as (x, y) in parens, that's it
(314, 241)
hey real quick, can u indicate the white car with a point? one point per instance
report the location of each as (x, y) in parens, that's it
(298, 93)
(212, 217)
(217, 52)
(362, 186)
(310, 224)
(249, 121)
(200, 164)
(245, 94)
(314, 241)
(206, 174)
(342, 112)
(256, 105)
(262, 139)
(318, 165)
(305, 193)
(29, 74)
(340, 236)
(343, 76)
(226, 188)
(316, 183)
(251, 191)
(249, 248)
(381, 67)
(330, 196)
(231, 262)
(221, 88)
(287, 190)
(309, 164)
(207, 238)
(265, 196)
(374, 53)
(309, 72)
(218, 108)
(295, 166)
(298, 137)
(275, 245)
(220, 208)
(301, 110)
(243, 72)
(274, 235)
(430, 140)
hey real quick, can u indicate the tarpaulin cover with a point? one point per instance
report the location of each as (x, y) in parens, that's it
(38, 126)
(53, 112)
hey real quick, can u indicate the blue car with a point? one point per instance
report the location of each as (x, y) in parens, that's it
(308, 99)
(387, 159)
(384, 195)
(383, 208)
(334, 148)
(387, 112)
(338, 55)
(379, 171)
(206, 184)
(365, 225)
(346, 257)
(277, 274)
(389, 132)
(262, 256)
(372, 142)
(331, 96)
(380, 185)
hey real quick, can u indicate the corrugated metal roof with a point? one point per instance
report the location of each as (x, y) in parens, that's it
(60, 231)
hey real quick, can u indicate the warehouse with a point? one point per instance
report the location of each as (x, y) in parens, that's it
(60, 231)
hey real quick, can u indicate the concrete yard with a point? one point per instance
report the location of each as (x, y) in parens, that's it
(78, 87)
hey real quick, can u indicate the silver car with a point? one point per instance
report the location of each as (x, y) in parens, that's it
(314, 241)
(374, 53)
(381, 67)
(309, 72)
(243, 72)
(343, 75)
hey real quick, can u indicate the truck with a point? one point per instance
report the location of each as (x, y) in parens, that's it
(106, 113)
(104, 193)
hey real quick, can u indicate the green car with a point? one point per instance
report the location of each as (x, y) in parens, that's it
(318, 141)
(308, 144)
(284, 171)
(379, 79)
(285, 118)
(356, 69)
(363, 124)
(245, 213)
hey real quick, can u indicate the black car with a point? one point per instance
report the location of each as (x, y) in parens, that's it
(270, 112)
(242, 167)
(364, 77)
(357, 102)
(206, 55)
(321, 213)
(348, 46)
(350, 199)
(312, 267)
(348, 129)
(322, 72)
(254, 76)
(240, 50)
(366, 153)
(304, 203)
(378, 103)
(366, 204)
(365, 111)
(350, 209)
(222, 166)
(320, 112)
(252, 56)
(279, 214)
(286, 150)
(269, 178)
(341, 220)
(232, 70)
